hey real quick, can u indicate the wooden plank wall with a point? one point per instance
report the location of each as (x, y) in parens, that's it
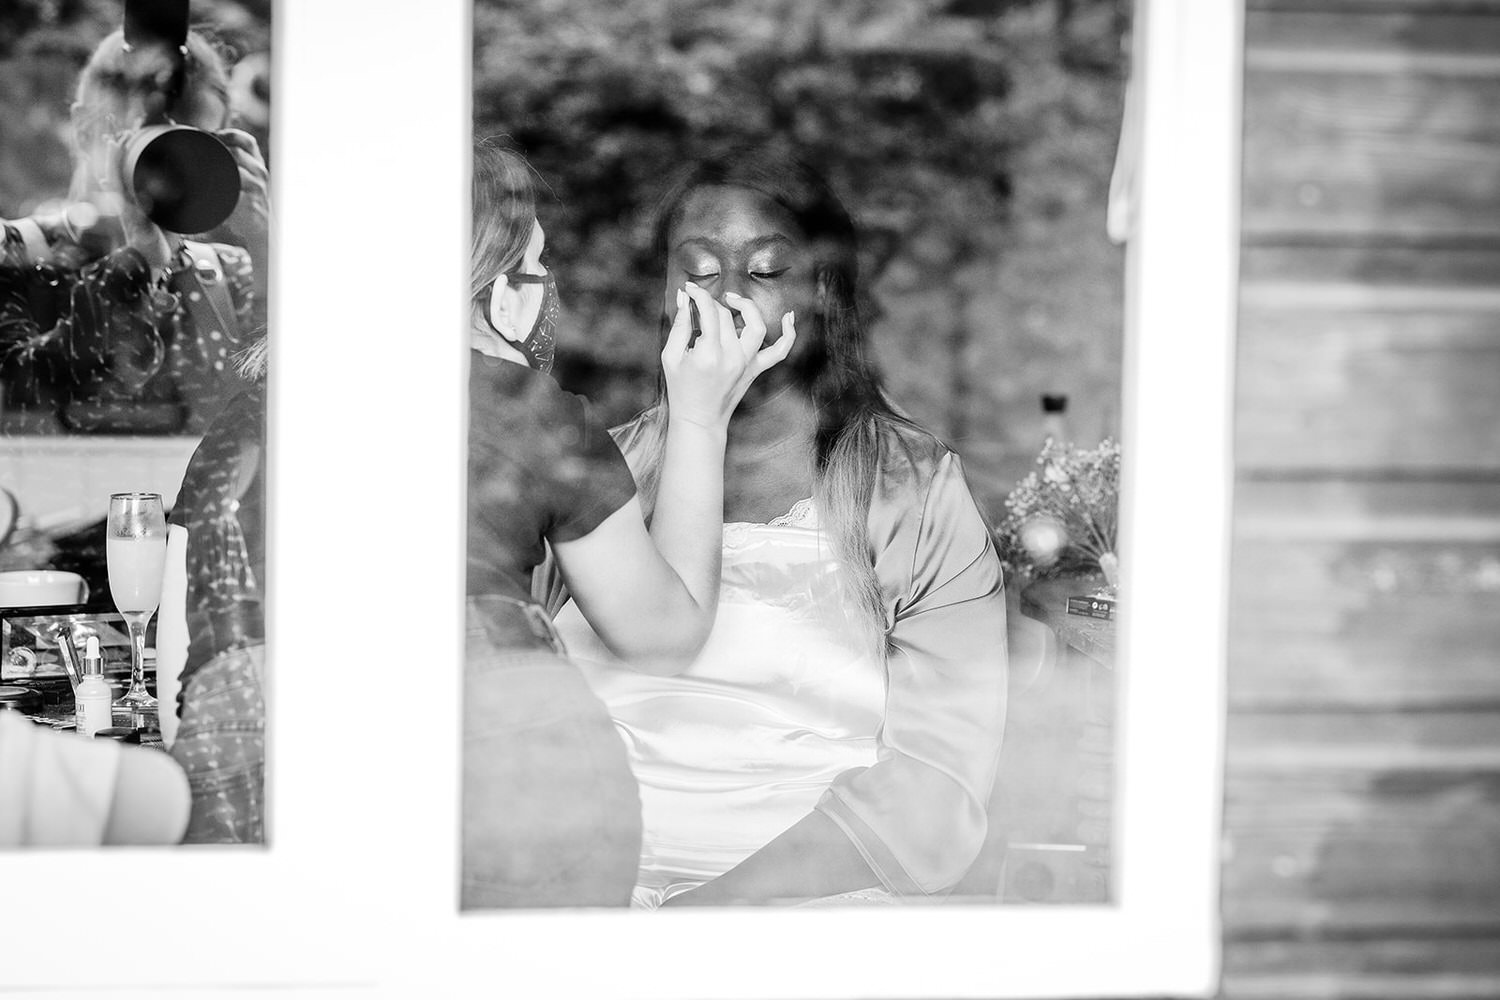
(1362, 813)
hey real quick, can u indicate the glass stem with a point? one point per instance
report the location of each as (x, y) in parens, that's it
(137, 625)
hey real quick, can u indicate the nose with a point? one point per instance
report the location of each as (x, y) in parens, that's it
(732, 283)
(737, 286)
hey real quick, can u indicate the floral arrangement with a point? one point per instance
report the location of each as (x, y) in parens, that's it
(1061, 518)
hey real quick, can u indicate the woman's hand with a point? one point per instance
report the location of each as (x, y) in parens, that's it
(673, 577)
(707, 380)
(251, 219)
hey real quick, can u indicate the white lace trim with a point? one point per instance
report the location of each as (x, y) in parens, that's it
(802, 515)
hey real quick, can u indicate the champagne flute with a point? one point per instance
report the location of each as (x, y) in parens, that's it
(135, 547)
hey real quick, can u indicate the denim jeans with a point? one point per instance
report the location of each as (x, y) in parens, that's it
(221, 745)
(551, 812)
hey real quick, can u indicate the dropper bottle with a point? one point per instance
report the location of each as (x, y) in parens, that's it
(92, 698)
(1055, 417)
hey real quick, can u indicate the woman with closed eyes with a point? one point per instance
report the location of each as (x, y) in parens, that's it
(838, 735)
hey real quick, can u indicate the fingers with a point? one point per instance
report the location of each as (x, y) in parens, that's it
(680, 333)
(249, 159)
(253, 181)
(718, 340)
(255, 178)
(241, 143)
(754, 333)
(252, 165)
(254, 188)
(712, 320)
(772, 356)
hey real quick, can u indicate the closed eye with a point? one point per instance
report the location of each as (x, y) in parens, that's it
(702, 277)
(768, 275)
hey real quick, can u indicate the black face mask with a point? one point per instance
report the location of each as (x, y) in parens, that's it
(541, 343)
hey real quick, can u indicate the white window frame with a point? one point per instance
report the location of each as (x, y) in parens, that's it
(358, 890)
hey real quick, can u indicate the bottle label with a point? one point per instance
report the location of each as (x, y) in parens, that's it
(93, 712)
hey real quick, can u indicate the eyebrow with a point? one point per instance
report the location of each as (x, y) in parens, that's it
(759, 243)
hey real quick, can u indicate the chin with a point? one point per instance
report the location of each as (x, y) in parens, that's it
(806, 362)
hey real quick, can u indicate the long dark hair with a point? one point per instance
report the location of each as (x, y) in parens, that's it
(837, 371)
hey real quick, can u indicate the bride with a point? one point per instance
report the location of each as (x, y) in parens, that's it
(838, 734)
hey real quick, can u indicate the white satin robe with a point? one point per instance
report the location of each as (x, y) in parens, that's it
(785, 712)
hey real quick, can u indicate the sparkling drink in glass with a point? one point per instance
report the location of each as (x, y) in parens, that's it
(135, 548)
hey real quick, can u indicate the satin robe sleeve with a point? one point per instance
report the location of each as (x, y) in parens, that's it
(918, 815)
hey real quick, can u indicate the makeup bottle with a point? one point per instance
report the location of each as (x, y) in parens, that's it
(1055, 417)
(92, 698)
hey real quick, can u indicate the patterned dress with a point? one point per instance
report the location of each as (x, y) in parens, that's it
(221, 739)
(89, 342)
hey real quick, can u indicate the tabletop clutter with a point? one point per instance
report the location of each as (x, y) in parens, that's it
(70, 663)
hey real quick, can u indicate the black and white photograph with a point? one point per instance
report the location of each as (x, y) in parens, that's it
(134, 279)
(922, 498)
(827, 615)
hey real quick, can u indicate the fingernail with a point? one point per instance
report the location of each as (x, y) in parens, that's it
(689, 284)
(791, 318)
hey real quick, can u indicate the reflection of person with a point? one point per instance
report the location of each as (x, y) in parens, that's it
(840, 731)
(211, 627)
(105, 319)
(550, 814)
(57, 790)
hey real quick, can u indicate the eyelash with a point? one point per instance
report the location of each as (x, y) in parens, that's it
(757, 275)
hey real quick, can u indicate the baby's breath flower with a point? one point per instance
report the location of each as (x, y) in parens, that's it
(1076, 488)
